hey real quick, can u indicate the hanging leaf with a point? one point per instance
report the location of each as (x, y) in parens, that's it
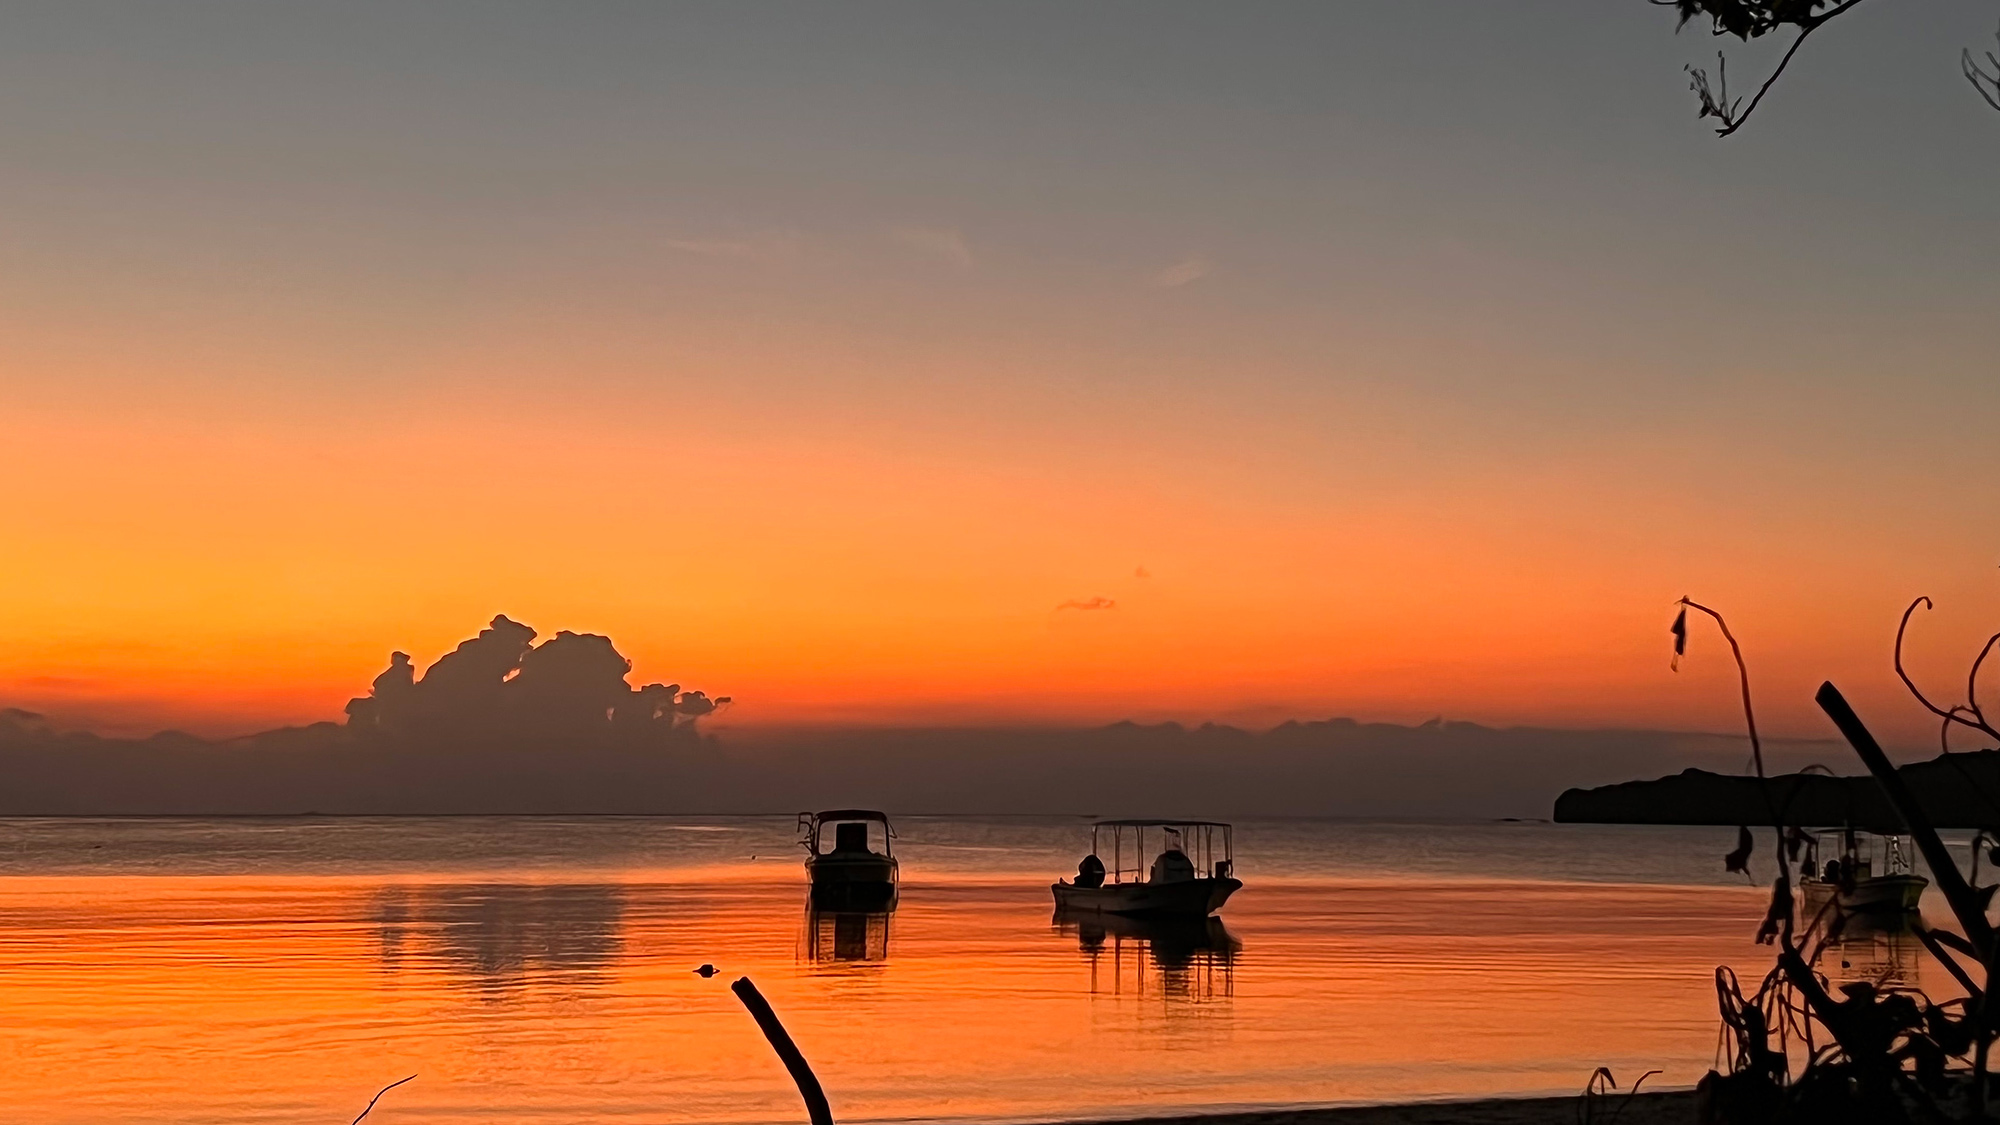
(1739, 860)
(1779, 913)
(1680, 632)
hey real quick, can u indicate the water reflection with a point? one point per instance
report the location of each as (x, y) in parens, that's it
(501, 937)
(846, 935)
(1885, 953)
(1193, 958)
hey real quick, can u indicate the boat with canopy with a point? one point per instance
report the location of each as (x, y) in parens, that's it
(1191, 875)
(851, 875)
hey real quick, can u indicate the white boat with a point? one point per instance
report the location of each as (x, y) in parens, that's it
(1190, 877)
(850, 875)
(1869, 875)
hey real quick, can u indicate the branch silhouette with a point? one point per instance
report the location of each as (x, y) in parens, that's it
(1747, 20)
(1967, 714)
(378, 1097)
(1985, 82)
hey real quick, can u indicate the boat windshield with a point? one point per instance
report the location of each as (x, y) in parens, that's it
(846, 830)
(1843, 854)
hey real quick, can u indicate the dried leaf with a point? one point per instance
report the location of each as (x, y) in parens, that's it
(1779, 915)
(1739, 860)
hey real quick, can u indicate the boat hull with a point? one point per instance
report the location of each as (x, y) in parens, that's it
(863, 882)
(1189, 898)
(1882, 895)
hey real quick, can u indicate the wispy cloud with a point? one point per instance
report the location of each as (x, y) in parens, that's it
(1184, 272)
(760, 246)
(943, 243)
(1141, 572)
(1088, 603)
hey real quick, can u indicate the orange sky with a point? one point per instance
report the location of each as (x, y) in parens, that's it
(819, 377)
(226, 577)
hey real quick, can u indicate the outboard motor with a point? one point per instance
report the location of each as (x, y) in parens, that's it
(850, 837)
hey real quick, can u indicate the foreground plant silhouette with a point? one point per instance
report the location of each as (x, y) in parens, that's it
(788, 1052)
(378, 1097)
(1750, 20)
(1873, 1053)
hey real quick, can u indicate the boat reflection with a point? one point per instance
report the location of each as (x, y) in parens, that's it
(1884, 952)
(1193, 958)
(835, 936)
(500, 937)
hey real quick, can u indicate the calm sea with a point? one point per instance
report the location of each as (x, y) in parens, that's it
(539, 970)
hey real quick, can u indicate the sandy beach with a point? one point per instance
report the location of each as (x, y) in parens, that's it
(1671, 1107)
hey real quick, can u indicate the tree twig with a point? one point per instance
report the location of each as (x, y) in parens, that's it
(1985, 83)
(378, 1097)
(1732, 121)
(1972, 685)
(1743, 675)
(1752, 21)
(1958, 713)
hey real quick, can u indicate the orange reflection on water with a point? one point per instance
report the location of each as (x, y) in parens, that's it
(260, 999)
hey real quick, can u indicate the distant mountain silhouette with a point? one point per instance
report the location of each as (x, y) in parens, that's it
(504, 725)
(1957, 791)
(501, 725)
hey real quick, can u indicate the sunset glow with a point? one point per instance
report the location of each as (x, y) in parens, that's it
(874, 562)
(1360, 419)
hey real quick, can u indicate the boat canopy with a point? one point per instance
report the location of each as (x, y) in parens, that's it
(1197, 839)
(1146, 822)
(850, 814)
(810, 825)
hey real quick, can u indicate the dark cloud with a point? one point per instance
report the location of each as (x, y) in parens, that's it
(1089, 603)
(502, 687)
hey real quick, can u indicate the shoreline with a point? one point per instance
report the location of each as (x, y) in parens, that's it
(1651, 1107)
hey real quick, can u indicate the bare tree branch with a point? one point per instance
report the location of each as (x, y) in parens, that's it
(1985, 82)
(1731, 120)
(1747, 20)
(1743, 674)
(1897, 659)
(1965, 714)
(378, 1097)
(1972, 684)
(813, 1094)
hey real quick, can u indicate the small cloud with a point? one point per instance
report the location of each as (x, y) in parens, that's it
(1141, 572)
(761, 246)
(1088, 603)
(944, 243)
(1184, 272)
